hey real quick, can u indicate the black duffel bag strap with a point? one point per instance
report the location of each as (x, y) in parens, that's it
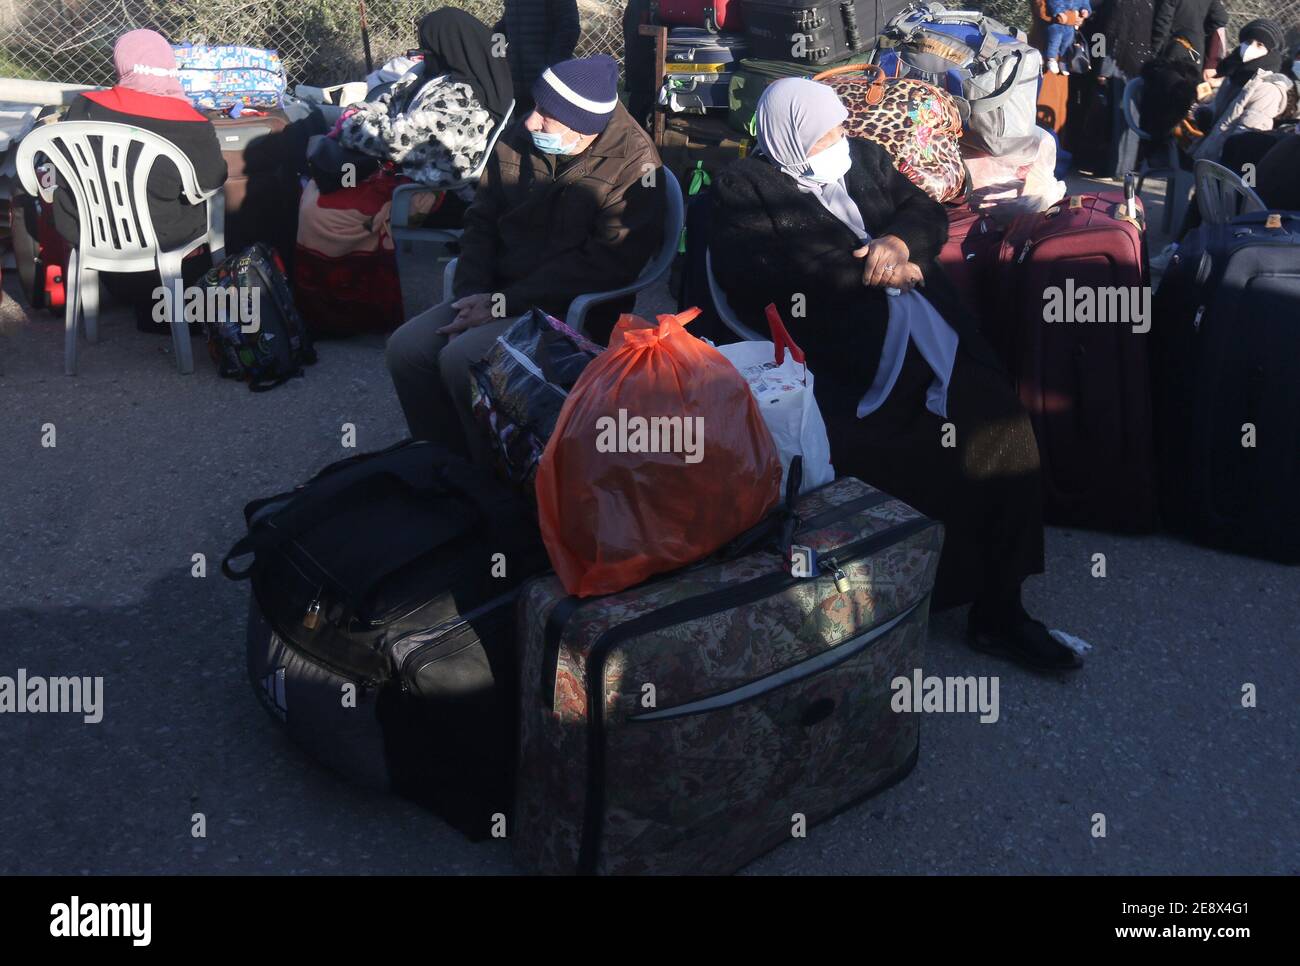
(424, 468)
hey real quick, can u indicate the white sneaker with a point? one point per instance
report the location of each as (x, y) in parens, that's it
(1054, 66)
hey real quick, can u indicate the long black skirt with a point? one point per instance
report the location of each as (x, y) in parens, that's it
(980, 478)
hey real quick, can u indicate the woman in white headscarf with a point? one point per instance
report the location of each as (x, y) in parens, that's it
(914, 400)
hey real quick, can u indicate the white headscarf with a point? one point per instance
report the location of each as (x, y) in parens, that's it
(794, 114)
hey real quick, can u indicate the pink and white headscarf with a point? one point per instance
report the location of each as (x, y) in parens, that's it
(144, 62)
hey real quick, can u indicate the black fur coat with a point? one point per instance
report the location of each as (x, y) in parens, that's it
(769, 242)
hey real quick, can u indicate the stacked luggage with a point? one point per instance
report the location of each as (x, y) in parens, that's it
(700, 676)
(698, 69)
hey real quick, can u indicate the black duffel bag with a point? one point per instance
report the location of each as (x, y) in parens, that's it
(381, 627)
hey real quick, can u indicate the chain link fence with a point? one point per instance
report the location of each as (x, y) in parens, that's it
(319, 41)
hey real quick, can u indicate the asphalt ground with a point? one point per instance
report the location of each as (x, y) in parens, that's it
(97, 537)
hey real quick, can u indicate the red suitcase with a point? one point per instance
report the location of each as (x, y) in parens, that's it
(716, 15)
(1071, 324)
(40, 252)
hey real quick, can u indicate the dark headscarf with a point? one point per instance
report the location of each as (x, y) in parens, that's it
(1265, 31)
(454, 42)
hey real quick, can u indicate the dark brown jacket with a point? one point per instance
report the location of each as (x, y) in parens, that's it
(544, 229)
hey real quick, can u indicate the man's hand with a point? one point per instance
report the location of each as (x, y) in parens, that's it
(1210, 75)
(884, 256)
(471, 311)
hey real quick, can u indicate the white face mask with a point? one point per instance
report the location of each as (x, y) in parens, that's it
(830, 165)
(1252, 51)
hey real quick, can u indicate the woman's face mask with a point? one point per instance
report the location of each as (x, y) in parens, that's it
(1295, 69)
(832, 164)
(1251, 51)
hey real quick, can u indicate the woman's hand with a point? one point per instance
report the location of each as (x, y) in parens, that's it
(907, 277)
(884, 256)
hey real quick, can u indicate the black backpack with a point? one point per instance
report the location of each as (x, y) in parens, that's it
(277, 345)
(381, 629)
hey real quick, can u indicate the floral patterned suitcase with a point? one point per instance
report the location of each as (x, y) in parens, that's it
(689, 724)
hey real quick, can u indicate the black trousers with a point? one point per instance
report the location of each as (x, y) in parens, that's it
(985, 487)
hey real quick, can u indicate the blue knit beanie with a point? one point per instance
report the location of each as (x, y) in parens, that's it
(580, 94)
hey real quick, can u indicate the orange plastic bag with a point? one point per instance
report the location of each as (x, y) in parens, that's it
(659, 457)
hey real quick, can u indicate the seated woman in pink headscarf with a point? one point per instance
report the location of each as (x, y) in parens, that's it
(148, 95)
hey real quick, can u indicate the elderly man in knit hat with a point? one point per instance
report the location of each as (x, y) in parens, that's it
(570, 203)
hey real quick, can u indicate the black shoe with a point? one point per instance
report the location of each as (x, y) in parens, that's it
(1023, 640)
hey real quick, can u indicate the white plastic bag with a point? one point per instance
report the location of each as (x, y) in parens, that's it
(1020, 182)
(788, 408)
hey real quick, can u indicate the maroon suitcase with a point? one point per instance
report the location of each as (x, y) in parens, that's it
(967, 256)
(1079, 360)
(716, 15)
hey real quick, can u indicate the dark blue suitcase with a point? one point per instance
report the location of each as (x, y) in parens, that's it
(1227, 386)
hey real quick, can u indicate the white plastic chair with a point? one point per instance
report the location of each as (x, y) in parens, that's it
(1221, 195)
(117, 231)
(654, 270)
(725, 312)
(1178, 180)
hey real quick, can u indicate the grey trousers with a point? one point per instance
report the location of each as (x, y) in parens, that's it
(431, 375)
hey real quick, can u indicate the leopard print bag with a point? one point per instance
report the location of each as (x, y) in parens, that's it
(917, 123)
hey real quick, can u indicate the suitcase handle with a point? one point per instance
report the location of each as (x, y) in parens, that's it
(875, 93)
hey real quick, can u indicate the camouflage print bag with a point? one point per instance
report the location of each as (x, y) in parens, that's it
(682, 725)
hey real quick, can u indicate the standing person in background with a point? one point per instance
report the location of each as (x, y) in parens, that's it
(1182, 29)
(1067, 16)
(1126, 28)
(538, 33)
(1118, 40)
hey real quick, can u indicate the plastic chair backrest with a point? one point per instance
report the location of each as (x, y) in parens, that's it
(723, 307)
(653, 271)
(1131, 104)
(1221, 194)
(117, 231)
(673, 225)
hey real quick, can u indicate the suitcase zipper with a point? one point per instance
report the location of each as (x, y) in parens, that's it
(439, 632)
(680, 613)
(850, 647)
